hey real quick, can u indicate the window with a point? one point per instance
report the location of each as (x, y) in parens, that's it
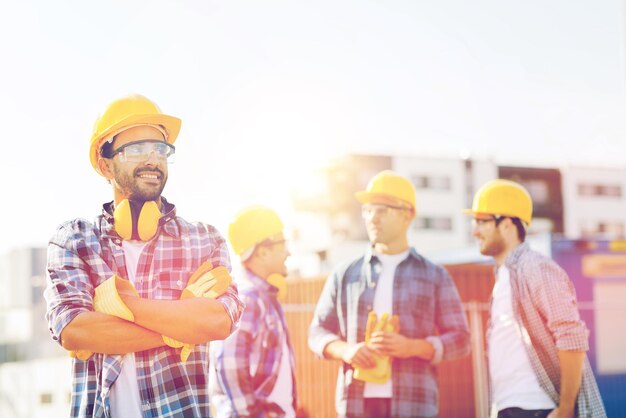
(597, 190)
(610, 230)
(539, 191)
(434, 223)
(432, 182)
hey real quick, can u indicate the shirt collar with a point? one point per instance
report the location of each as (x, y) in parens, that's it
(370, 255)
(516, 254)
(260, 283)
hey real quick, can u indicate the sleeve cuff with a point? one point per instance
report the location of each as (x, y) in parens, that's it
(321, 343)
(438, 346)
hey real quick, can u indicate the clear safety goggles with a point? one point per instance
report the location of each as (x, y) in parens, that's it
(370, 210)
(139, 151)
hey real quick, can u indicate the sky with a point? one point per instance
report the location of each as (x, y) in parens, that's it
(268, 91)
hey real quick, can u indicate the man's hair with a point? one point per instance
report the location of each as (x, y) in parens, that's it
(107, 147)
(519, 224)
(521, 229)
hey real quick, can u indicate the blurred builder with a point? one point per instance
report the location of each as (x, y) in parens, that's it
(536, 339)
(389, 304)
(253, 370)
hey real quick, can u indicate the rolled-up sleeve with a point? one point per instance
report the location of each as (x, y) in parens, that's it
(68, 288)
(451, 321)
(555, 297)
(325, 326)
(229, 299)
(232, 305)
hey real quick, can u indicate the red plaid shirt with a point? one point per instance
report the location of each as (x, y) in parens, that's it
(544, 303)
(81, 255)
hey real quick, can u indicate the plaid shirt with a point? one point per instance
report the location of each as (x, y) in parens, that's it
(428, 304)
(544, 303)
(234, 387)
(81, 255)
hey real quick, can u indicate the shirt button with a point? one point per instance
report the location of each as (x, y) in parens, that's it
(179, 283)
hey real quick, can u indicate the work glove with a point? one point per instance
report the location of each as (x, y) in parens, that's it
(107, 300)
(81, 354)
(381, 373)
(206, 282)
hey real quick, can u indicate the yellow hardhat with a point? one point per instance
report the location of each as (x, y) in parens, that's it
(504, 198)
(252, 226)
(127, 112)
(388, 187)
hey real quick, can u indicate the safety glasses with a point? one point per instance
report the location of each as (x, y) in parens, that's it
(139, 151)
(377, 209)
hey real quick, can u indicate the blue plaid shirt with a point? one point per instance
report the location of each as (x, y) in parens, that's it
(234, 387)
(81, 255)
(429, 307)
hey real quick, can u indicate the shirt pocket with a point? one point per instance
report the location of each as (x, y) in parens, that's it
(169, 285)
(417, 313)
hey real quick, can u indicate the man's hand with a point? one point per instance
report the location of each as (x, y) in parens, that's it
(359, 355)
(112, 295)
(562, 413)
(397, 345)
(205, 282)
(391, 344)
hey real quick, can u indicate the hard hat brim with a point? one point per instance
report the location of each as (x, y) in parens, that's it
(381, 198)
(170, 123)
(473, 212)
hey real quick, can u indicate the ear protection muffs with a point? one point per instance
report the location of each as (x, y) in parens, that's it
(280, 282)
(136, 220)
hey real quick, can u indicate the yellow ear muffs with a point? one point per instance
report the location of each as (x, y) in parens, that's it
(136, 221)
(280, 282)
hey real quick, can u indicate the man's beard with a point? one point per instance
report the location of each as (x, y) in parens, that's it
(494, 247)
(129, 183)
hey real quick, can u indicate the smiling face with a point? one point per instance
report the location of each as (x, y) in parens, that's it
(487, 232)
(276, 254)
(136, 180)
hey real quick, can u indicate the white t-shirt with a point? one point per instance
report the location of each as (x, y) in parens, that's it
(383, 303)
(124, 397)
(514, 383)
(282, 394)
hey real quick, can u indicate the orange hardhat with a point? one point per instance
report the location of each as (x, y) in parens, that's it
(388, 187)
(125, 113)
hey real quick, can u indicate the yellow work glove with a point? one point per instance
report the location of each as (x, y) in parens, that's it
(381, 373)
(107, 300)
(206, 282)
(81, 354)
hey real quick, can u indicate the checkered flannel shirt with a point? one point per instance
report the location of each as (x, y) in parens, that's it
(544, 302)
(81, 255)
(429, 307)
(237, 388)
